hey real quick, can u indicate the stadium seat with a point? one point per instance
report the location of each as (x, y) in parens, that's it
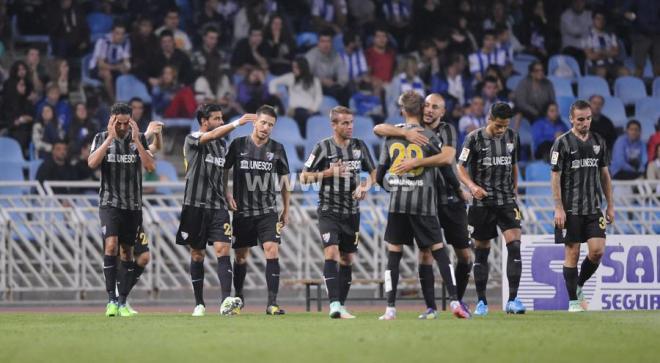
(295, 164)
(648, 126)
(286, 131)
(33, 167)
(656, 87)
(513, 80)
(614, 109)
(564, 103)
(99, 25)
(327, 104)
(394, 120)
(166, 169)
(521, 66)
(647, 108)
(128, 87)
(12, 171)
(10, 150)
(194, 126)
(85, 77)
(562, 86)
(17, 37)
(537, 171)
(307, 39)
(592, 85)
(559, 61)
(525, 56)
(629, 89)
(318, 128)
(363, 128)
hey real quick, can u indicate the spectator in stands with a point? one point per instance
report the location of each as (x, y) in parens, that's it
(629, 154)
(208, 55)
(17, 111)
(171, 98)
(602, 50)
(534, 93)
(462, 38)
(354, 60)
(57, 166)
(36, 70)
(326, 64)
(490, 92)
(209, 17)
(280, 46)
(539, 31)
(253, 14)
(144, 48)
(429, 61)
(304, 92)
(171, 23)
(653, 170)
(404, 81)
(138, 113)
(473, 119)
(453, 84)
(81, 129)
(170, 56)
(19, 71)
(509, 44)
(46, 131)
(600, 123)
(215, 86)
(59, 75)
(654, 141)
(253, 91)
(546, 129)
(61, 107)
(645, 37)
(329, 14)
(381, 58)
(69, 32)
(249, 53)
(486, 56)
(575, 26)
(497, 17)
(398, 14)
(111, 57)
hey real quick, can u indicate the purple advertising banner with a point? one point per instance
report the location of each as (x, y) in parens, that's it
(628, 277)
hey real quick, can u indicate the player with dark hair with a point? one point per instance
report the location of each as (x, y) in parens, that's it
(488, 166)
(413, 211)
(452, 213)
(260, 167)
(121, 152)
(204, 216)
(336, 163)
(580, 176)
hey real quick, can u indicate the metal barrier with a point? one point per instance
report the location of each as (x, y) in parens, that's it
(51, 240)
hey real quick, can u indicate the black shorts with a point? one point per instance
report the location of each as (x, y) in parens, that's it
(142, 242)
(202, 226)
(123, 223)
(580, 229)
(485, 220)
(402, 228)
(340, 229)
(453, 220)
(250, 230)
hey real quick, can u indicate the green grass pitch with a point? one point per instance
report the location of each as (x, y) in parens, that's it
(313, 337)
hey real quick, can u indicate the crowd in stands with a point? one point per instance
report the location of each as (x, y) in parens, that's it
(296, 55)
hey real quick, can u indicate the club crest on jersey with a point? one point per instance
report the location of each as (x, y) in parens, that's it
(133, 147)
(269, 156)
(357, 154)
(596, 149)
(509, 147)
(326, 237)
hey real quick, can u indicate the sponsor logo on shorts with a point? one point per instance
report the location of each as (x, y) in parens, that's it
(326, 237)
(184, 235)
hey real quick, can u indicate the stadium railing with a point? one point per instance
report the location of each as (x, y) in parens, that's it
(51, 242)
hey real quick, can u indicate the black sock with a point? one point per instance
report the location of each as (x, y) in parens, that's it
(197, 278)
(240, 270)
(513, 268)
(462, 273)
(393, 260)
(110, 274)
(571, 278)
(124, 278)
(273, 279)
(137, 272)
(345, 279)
(586, 271)
(225, 276)
(446, 271)
(481, 270)
(330, 273)
(426, 280)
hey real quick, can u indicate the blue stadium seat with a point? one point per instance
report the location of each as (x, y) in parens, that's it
(647, 108)
(656, 87)
(17, 37)
(564, 103)
(648, 126)
(629, 89)
(33, 167)
(537, 171)
(394, 120)
(12, 171)
(513, 80)
(592, 85)
(307, 39)
(166, 169)
(128, 87)
(194, 126)
(85, 77)
(99, 25)
(562, 86)
(614, 109)
(318, 128)
(286, 131)
(560, 60)
(525, 56)
(521, 66)
(295, 164)
(525, 133)
(10, 150)
(327, 104)
(363, 128)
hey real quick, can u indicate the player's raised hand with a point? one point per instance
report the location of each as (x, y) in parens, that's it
(560, 217)
(154, 127)
(112, 127)
(248, 117)
(478, 192)
(231, 202)
(135, 130)
(417, 137)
